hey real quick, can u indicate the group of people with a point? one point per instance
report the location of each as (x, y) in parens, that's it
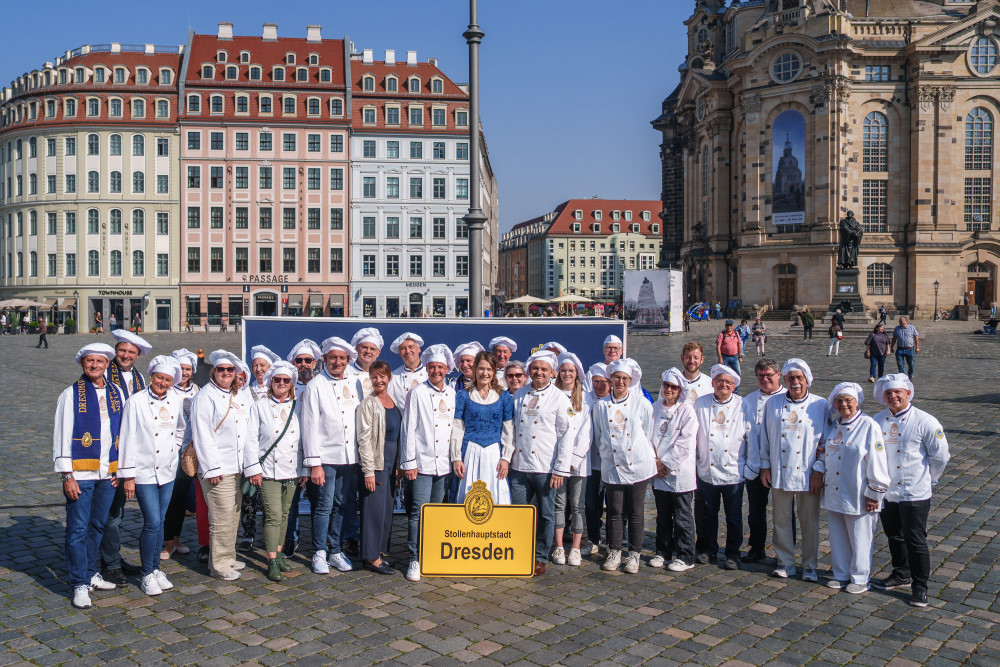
(582, 445)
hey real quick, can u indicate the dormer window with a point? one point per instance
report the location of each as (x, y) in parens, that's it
(645, 216)
(391, 84)
(598, 215)
(302, 74)
(217, 103)
(616, 215)
(578, 214)
(595, 227)
(220, 56)
(121, 74)
(142, 76)
(244, 56)
(166, 77)
(368, 83)
(207, 72)
(326, 75)
(255, 73)
(80, 75)
(413, 85)
(99, 75)
(279, 74)
(437, 86)
(635, 228)
(576, 227)
(288, 105)
(314, 59)
(615, 228)
(289, 58)
(232, 72)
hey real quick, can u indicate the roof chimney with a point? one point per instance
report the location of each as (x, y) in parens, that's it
(390, 56)
(225, 30)
(270, 32)
(368, 56)
(411, 57)
(433, 61)
(313, 33)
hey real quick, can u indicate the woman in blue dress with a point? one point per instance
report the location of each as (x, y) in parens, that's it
(483, 429)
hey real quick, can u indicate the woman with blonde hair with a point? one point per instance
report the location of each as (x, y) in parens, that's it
(570, 380)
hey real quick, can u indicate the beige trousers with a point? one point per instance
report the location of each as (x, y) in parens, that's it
(223, 501)
(807, 513)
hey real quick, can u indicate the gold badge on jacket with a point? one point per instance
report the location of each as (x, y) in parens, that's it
(720, 417)
(793, 417)
(442, 407)
(532, 402)
(839, 438)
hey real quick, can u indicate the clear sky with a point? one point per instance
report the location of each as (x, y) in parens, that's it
(568, 88)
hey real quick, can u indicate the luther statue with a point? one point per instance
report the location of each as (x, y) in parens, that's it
(850, 240)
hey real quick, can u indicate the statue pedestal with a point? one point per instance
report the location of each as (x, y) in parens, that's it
(847, 297)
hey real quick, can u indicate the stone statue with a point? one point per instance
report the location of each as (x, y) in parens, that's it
(850, 240)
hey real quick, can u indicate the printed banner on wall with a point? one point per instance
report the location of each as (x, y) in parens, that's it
(653, 298)
(789, 156)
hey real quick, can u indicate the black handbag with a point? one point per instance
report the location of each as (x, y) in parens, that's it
(250, 490)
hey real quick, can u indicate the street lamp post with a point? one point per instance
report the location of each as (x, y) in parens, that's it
(937, 286)
(474, 219)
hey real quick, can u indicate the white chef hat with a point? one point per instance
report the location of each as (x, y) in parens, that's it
(438, 354)
(552, 345)
(306, 346)
(161, 363)
(280, 368)
(262, 352)
(846, 388)
(368, 335)
(570, 358)
(506, 342)
(102, 349)
(186, 356)
(627, 366)
(403, 338)
(338, 343)
(468, 349)
(224, 356)
(126, 336)
(241, 367)
(598, 370)
(795, 364)
(543, 355)
(722, 369)
(673, 375)
(612, 340)
(892, 381)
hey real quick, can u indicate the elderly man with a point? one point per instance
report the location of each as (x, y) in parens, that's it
(122, 373)
(721, 457)
(411, 372)
(917, 451)
(503, 349)
(85, 454)
(542, 448)
(368, 343)
(465, 359)
(303, 356)
(768, 375)
(789, 434)
(906, 343)
(425, 459)
(329, 450)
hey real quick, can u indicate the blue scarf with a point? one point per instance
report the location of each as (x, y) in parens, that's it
(87, 422)
(115, 376)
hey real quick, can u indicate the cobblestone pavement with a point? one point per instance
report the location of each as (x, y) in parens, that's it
(571, 616)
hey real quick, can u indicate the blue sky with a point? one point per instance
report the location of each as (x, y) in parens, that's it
(568, 88)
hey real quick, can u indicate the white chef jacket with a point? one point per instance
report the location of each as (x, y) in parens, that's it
(753, 411)
(428, 419)
(219, 431)
(622, 431)
(722, 439)
(267, 421)
(62, 436)
(328, 421)
(363, 378)
(675, 434)
(583, 434)
(595, 451)
(543, 441)
(789, 436)
(151, 438)
(917, 451)
(258, 391)
(696, 388)
(187, 395)
(854, 465)
(403, 381)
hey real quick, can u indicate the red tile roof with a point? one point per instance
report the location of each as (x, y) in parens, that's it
(266, 54)
(563, 222)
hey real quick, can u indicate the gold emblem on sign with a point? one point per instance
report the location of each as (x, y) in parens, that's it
(793, 417)
(87, 439)
(479, 503)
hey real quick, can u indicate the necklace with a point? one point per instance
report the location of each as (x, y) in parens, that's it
(483, 394)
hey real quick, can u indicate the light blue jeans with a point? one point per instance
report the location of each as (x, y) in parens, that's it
(85, 519)
(534, 488)
(329, 505)
(424, 489)
(153, 501)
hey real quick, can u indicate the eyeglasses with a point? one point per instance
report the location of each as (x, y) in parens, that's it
(225, 369)
(303, 360)
(764, 376)
(671, 387)
(281, 380)
(516, 375)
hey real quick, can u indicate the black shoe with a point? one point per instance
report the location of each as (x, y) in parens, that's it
(351, 548)
(128, 568)
(731, 564)
(890, 582)
(115, 576)
(702, 558)
(918, 599)
(754, 556)
(203, 555)
(381, 568)
(289, 548)
(244, 545)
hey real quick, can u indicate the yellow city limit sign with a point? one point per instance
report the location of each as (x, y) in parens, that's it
(477, 538)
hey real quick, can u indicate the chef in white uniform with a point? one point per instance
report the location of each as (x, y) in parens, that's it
(153, 426)
(503, 348)
(917, 451)
(303, 356)
(330, 452)
(261, 359)
(177, 510)
(696, 383)
(790, 430)
(595, 485)
(853, 466)
(412, 371)
(368, 343)
(722, 434)
(428, 419)
(570, 380)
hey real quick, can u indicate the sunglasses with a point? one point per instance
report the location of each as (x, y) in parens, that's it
(225, 369)
(303, 360)
(281, 380)
(516, 375)
(671, 387)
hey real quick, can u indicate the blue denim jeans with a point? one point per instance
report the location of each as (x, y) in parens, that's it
(424, 489)
(907, 357)
(153, 501)
(733, 361)
(534, 488)
(329, 505)
(85, 519)
(111, 543)
(877, 366)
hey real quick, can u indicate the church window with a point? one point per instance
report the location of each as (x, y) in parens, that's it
(979, 139)
(704, 171)
(983, 56)
(879, 278)
(874, 206)
(876, 143)
(786, 67)
(978, 202)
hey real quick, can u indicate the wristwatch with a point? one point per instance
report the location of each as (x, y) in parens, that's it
(67, 475)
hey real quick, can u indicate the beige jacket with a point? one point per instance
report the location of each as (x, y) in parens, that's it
(371, 435)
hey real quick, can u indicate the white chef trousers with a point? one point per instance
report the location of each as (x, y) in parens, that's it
(851, 537)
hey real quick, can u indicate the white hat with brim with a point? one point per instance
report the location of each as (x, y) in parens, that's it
(570, 358)
(543, 355)
(673, 376)
(224, 357)
(795, 364)
(892, 381)
(306, 346)
(402, 338)
(722, 369)
(280, 368)
(849, 388)
(338, 343)
(102, 349)
(506, 342)
(629, 367)
(612, 340)
(262, 352)
(186, 356)
(161, 363)
(368, 335)
(599, 370)
(468, 350)
(126, 336)
(438, 354)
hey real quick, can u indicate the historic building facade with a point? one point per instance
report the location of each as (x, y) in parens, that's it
(790, 113)
(89, 186)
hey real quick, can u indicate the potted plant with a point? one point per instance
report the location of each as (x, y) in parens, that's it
(69, 326)
(33, 326)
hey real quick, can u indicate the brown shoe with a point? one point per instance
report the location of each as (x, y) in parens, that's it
(539, 568)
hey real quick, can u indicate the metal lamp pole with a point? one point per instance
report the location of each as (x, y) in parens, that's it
(474, 219)
(937, 286)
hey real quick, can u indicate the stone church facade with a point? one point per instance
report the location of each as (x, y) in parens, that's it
(790, 113)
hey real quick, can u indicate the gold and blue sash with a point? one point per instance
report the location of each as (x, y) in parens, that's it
(86, 446)
(115, 376)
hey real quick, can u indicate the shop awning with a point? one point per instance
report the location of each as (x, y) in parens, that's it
(294, 300)
(67, 303)
(49, 304)
(336, 300)
(315, 300)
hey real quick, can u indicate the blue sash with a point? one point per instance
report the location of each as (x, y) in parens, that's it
(115, 376)
(87, 426)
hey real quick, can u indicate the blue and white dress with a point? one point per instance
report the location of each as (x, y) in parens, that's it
(483, 429)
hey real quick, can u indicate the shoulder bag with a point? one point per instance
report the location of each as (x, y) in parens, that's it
(250, 490)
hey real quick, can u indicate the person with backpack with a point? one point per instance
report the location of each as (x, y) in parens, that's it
(808, 320)
(729, 347)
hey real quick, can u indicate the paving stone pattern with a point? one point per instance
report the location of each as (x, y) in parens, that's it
(570, 616)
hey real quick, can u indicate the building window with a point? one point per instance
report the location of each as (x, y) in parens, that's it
(162, 223)
(194, 141)
(786, 67)
(288, 218)
(336, 143)
(392, 265)
(438, 266)
(242, 141)
(462, 118)
(162, 109)
(314, 143)
(265, 105)
(265, 141)
(70, 183)
(437, 86)
(979, 139)
(138, 221)
(368, 265)
(874, 206)
(336, 178)
(337, 107)
(70, 264)
(138, 182)
(336, 218)
(215, 263)
(439, 188)
(264, 260)
(288, 260)
(138, 145)
(416, 187)
(368, 187)
(461, 229)
(162, 264)
(93, 263)
(462, 266)
(312, 260)
(439, 152)
(416, 265)
(416, 228)
(368, 148)
(876, 143)
(368, 227)
(336, 260)
(368, 116)
(392, 227)
(392, 115)
(876, 72)
(216, 179)
(439, 228)
(242, 104)
(879, 278)
(264, 218)
(313, 178)
(241, 260)
(115, 108)
(392, 187)
(138, 263)
(312, 218)
(983, 56)
(242, 217)
(215, 217)
(416, 150)
(978, 198)
(416, 116)
(242, 178)
(461, 188)
(392, 150)
(193, 217)
(115, 144)
(264, 178)
(216, 141)
(194, 104)
(438, 117)
(116, 181)
(115, 263)
(194, 177)
(162, 185)
(462, 151)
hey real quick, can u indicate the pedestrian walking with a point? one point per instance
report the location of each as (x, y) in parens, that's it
(729, 347)
(758, 333)
(43, 328)
(836, 335)
(808, 320)
(906, 344)
(882, 313)
(112, 322)
(876, 349)
(744, 331)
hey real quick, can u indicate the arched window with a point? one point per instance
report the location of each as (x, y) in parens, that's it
(336, 107)
(115, 144)
(368, 84)
(115, 221)
(93, 221)
(93, 263)
(879, 278)
(115, 264)
(876, 142)
(138, 182)
(138, 263)
(138, 145)
(979, 139)
(93, 144)
(138, 221)
(116, 181)
(217, 103)
(289, 105)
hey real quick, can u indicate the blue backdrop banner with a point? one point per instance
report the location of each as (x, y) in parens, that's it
(580, 335)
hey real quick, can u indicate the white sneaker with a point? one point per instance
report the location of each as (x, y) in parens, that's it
(230, 575)
(81, 597)
(340, 561)
(784, 572)
(149, 585)
(594, 548)
(319, 564)
(162, 580)
(809, 574)
(677, 565)
(613, 560)
(97, 583)
(239, 565)
(413, 572)
(657, 561)
(558, 556)
(632, 562)
(574, 558)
